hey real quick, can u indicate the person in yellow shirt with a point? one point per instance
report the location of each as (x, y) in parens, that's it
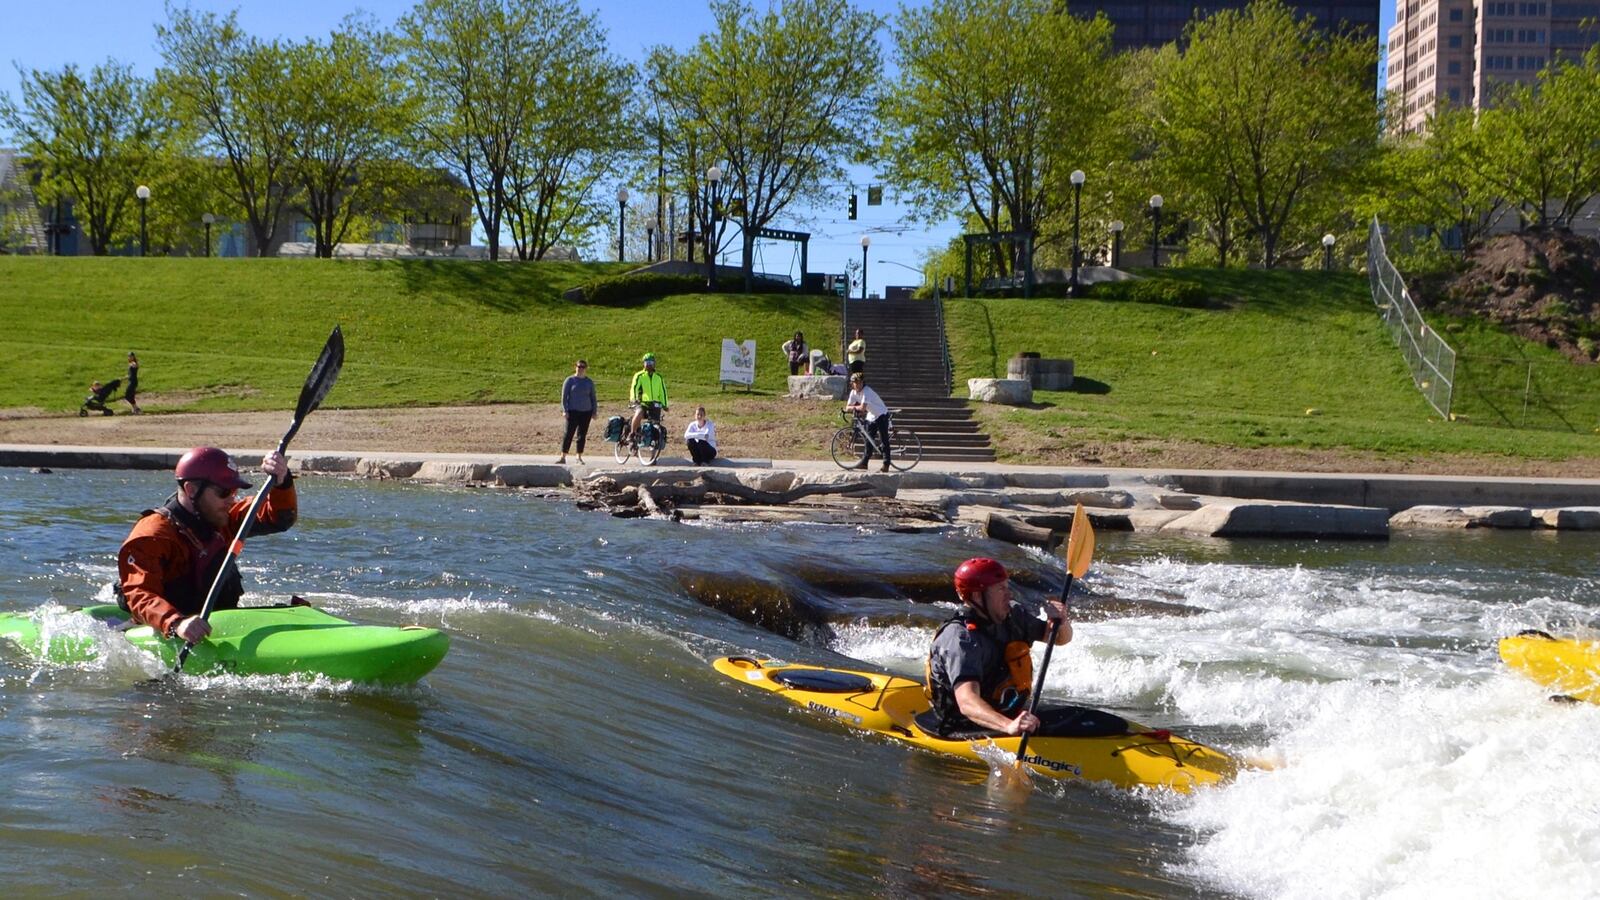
(648, 387)
(856, 353)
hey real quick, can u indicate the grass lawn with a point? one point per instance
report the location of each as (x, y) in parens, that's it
(240, 334)
(1244, 374)
(219, 335)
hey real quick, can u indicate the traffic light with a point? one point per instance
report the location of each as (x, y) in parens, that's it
(852, 207)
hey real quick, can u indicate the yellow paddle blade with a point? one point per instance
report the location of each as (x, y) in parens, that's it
(1080, 543)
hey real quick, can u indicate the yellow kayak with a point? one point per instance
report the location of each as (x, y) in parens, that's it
(1568, 666)
(1139, 756)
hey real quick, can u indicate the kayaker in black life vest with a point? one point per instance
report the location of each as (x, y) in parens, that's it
(980, 667)
(169, 559)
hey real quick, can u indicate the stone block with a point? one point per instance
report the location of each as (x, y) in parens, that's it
(452, 472)
(1112, 498)
(375, 467)
(1007, 391)
(1499, 516)
(1266, 519)
(327, 464)
(1571, 518)
(1049, 480)
(818, 387)
(531, 476)
(986, 480)
(1428, 516)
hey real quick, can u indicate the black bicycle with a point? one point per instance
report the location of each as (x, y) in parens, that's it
(648, 443)
(852, 443)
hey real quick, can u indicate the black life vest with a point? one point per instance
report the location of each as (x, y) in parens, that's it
(1009, 696)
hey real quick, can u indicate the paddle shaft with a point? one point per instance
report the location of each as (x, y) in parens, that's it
(1044, 666)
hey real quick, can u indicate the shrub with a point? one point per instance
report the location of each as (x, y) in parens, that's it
(1162, 291)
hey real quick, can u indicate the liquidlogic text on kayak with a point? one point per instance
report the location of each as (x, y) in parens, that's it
(1138, 756)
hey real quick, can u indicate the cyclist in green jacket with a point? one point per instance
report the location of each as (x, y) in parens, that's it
(648, 387)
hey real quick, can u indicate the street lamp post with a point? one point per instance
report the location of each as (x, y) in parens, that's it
(208, 218)
(714, 178)
(1116, 243)
(1327, 253)
(622, 215)
(1077, 255)
(923, 273)
(1155, 231)
(866, 241)
(661, 172)
(143, 193)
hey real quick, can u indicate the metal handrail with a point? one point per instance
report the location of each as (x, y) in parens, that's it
(944, 342)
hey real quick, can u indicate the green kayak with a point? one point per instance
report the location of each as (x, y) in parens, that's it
(273, 640)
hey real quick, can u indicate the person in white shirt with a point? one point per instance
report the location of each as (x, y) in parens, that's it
(864, 401)
(701, 436)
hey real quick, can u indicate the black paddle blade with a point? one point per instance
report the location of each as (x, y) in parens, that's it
(323, 374)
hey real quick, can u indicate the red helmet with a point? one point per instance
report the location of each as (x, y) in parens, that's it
(210, 464)
(978, 573)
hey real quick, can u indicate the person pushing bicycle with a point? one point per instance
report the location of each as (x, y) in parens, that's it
(865, 403)
(647, 387)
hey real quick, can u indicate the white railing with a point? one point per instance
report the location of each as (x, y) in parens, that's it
(1431, 360)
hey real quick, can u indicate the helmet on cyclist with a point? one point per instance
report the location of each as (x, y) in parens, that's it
(978, 573)
(649, 358)
(210, 464)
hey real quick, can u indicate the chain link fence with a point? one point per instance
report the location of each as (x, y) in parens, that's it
(1431, 360)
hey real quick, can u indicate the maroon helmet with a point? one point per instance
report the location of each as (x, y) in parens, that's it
(210, 464)
(978, 573)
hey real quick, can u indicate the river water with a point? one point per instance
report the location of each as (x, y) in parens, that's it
(576, 741)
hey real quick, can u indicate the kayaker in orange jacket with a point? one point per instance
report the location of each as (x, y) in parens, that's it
(171, 556)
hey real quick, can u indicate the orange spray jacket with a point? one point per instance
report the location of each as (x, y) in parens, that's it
(167, 563)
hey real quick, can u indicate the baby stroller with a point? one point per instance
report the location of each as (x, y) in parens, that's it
(98, 396)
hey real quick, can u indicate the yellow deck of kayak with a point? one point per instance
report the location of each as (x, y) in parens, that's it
(1144, 757)
(1567, 666)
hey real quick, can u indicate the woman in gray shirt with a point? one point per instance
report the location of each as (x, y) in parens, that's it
(578, 403)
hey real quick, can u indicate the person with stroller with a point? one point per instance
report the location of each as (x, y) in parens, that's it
(701, 436)
(578, 403)
(98, 393)
(132, 394)
(647, 388)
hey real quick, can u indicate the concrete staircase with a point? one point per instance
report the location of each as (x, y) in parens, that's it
(907, 364)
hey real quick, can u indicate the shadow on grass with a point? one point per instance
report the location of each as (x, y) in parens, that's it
(507, 287)
(1082, 385)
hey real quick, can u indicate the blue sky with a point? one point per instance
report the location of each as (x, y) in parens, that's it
(46, 36)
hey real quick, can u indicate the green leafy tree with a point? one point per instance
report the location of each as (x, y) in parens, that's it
(474, 67)
(348, 108)
(997, 101)
(1279, 110)
(1543, 156)
(1434, 179)
(94, 138)
(235, 91)
(575, 136)
(781, 97)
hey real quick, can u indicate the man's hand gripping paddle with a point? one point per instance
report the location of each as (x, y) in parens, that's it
(1080, 551)
(318, 383)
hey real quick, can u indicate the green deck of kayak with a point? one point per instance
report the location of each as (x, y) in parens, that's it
(278, 640)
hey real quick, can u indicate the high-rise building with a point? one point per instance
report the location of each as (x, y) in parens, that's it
(1456, 51)
(1151, 23)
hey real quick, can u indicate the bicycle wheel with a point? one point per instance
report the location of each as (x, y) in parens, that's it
(622, 449)
(649, 453)
(906, 448)
(848, 449)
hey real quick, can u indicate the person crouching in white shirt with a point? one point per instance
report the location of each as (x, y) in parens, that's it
(701, 436)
